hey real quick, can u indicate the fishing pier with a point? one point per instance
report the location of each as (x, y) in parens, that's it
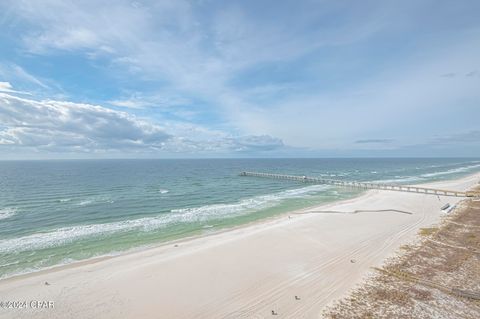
(364, 185)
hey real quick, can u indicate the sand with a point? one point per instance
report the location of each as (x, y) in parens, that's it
(437, 277)
(315, 254)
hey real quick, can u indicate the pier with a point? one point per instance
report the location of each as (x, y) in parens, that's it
(364, 185)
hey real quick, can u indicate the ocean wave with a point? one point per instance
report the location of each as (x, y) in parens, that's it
(95, 200)
(41, 265)
(163, 191)
(10, 264)
(451, 171)
(400, 179)
(248, 204)
(424, 177)
(85, 202)
(67, 235)
(7, 212)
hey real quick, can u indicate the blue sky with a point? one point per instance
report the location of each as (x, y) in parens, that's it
(81, 79)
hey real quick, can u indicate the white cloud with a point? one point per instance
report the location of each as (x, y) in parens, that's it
(20, 73)
(169, 41)
(138, 100)
(5, 87)
(409, 102)
(258, 142)
(58, 126)
(17, 74)
(129, 103)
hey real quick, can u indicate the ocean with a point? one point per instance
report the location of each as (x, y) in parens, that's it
(58, 212)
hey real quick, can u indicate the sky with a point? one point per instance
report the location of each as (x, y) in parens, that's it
(178, 78)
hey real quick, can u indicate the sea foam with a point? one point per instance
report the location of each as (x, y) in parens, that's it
(451, 171)
(426, 176)
(67, 235)
(7, 212)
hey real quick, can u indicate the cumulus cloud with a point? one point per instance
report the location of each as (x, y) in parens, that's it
(173, 42)
(211, 58)
(59, 126)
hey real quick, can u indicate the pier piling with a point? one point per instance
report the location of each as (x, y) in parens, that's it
(364, 185)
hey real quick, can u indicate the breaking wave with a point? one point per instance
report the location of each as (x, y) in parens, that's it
(7, 212)
(66, 235)
(452, 171)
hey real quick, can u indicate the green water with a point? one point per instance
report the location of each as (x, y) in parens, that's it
(56, 212)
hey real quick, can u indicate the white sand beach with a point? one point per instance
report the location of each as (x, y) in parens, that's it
(316, 254)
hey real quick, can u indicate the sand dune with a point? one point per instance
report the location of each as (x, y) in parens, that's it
(317, 255)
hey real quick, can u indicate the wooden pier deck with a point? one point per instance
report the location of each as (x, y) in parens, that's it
(364, 185)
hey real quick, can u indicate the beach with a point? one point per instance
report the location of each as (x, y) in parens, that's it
(294, 265)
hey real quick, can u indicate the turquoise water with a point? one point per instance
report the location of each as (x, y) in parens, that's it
(56, 212)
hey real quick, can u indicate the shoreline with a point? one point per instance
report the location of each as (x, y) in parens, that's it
(259, 223)
(161, 244)
(442, 264)
(167, 253)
